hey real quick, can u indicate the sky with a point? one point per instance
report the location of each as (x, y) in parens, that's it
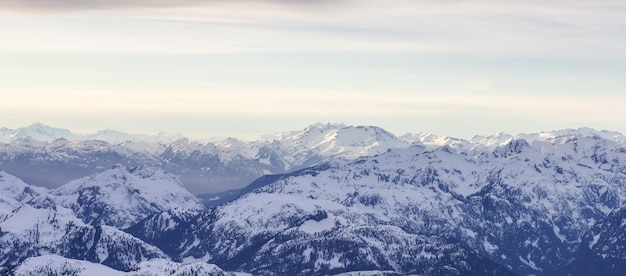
(247, 67)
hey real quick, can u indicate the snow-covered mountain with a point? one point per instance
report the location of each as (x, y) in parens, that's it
(41, 132)
(310, 242)
(14, 192)
(202, 166)
(31, 231)
(220, 165)
(37, 222)
(546, 203)
(526, 207)
(330, 140)
(36, 131)
(121, 196)
(56, 162)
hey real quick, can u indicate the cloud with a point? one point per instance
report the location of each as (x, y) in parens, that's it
(512, 28)
(56, 6)
(74, 5)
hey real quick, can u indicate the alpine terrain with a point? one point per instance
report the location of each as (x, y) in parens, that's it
(328, 200)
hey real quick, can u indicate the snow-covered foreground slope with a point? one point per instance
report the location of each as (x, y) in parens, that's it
(121, 196)
(57, 265)
(40, 230)
(526, 207)
(305, 239)
(30, 232)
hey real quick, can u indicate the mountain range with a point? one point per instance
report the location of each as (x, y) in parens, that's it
(550, 203)
(49, 157)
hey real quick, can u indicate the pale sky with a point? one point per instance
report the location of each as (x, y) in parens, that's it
(247, 67)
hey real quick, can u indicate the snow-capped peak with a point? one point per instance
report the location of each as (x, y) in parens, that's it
(121, 196)
(116, 137)
(429, 140)
(584, 132)
(341, 140)
(44, 133)
(500, 138)
(41, 132)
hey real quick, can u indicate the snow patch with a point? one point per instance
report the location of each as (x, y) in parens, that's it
(596, 238)
(489, 247)
(312, 226)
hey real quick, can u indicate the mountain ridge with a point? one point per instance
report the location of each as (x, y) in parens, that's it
(521, 207)
(45, 133)
(218, 166)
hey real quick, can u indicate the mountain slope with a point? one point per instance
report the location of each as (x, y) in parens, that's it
(221, 165)
(30, 232)
(121, 196)
(524, 206)
(56, 162)
(15, 188)
(57, 265)
(602, 251)
(492, 206)
(298, 237)
(14, 192)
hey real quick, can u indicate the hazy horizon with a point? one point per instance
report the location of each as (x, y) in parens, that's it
(256, 136)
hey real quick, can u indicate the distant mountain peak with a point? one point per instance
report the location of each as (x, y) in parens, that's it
(327, 125)
(41, 132)
(230, 163)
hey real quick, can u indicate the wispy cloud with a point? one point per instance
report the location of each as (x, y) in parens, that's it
(76, 5)
(514, 28)
(80, 5)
